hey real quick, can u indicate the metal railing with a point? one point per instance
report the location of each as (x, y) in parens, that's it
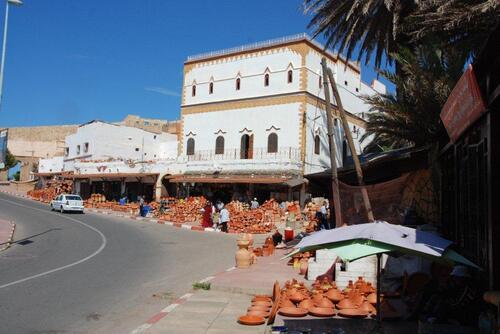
(261, 153)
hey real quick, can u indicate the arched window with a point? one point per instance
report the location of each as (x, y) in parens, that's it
(266, 80)
(290, 76)
(272, 143)
(317, 144)
(219, 145)
(238, 84)
(190, 147)
(211, 88)
(246, 147)
(193, 90)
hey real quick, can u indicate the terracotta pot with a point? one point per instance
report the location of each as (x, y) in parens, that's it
(258, 314)
(325, 303)
(251, 320)
(367, 307)
(286, 303)
(293, 312)
(262, 303)
(258, 308)
(372, 298)
(346, 304)
(317, 297)
(322, 312)
(306, 303)
(334, 295)
(261, 298)
(304, 264)
(243, 258)
(297, 297)
(353, 313)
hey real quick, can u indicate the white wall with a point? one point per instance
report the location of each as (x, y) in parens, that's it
(120, 166)
(251, 72)
(203, 126)
(51, 165)
(114, 141)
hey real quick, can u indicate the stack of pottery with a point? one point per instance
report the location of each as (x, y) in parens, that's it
(268, 248)
(259, 310)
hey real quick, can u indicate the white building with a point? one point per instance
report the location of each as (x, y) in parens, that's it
(51, 165)
(108, 158)
(258, 110)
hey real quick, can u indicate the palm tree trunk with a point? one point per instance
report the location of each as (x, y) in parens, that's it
(350, 141)
(333, 151)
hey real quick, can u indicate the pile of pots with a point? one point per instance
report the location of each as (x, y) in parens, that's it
(185, 211)
(324, 299)
(55, 188)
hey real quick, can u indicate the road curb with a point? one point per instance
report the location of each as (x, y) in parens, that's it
(188, 227)
(164, 312)
(11, 237)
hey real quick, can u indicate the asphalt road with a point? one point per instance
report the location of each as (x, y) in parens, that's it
(72, 273)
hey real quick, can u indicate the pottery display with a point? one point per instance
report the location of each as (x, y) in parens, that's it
(304, 264)
(322, 312)
(296, 297)
(286, 303)
(276, 290)
(372, 298)
(251, 320)
(293, 312)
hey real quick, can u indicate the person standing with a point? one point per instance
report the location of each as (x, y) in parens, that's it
(224, 219)
(207, 215)
(141, 206)
(324, 216)
(254, 204)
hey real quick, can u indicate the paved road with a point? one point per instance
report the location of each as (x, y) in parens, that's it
(88, 273)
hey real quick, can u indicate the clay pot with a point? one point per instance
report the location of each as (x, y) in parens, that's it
(296, 297)
(293, 312)
(261, 298)
(346, 304)
(334, 295)
(322, 312)
(243, 257)
(367, 307)
(262, 303)
(325, 303)
(286, 303)
(317, 297)
(306, 303)
(372, 298)
(258, 314)
(353, 313)
(258, 308)
(251, 320)
(304, 264)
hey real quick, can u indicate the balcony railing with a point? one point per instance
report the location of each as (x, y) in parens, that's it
(283, 154)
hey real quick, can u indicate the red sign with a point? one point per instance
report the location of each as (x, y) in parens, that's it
(464, 105)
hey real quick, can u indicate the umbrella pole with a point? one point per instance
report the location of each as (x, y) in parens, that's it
(379, 316)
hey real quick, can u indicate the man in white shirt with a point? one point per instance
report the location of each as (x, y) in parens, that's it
(224, 219)
(254, 204)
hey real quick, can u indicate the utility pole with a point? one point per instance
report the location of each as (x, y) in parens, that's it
(4, 45)
(350, 141)
(333, 150)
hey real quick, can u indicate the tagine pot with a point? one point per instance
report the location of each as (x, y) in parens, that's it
(334, 295)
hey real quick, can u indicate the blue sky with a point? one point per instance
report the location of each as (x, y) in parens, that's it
(72, 61)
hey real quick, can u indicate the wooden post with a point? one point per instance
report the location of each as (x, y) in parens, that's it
(333, 150)
(350, 141)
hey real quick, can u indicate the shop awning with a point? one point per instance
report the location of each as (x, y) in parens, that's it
(257, 179)
(112, 175)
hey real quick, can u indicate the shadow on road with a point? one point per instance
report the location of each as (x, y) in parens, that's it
(27, 240)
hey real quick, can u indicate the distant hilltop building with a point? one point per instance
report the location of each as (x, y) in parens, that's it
(151, 124)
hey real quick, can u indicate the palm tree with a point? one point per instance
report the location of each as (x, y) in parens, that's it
(380, 27)
(369, 26)
(411, 118)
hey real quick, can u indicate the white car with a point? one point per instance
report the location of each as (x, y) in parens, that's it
(66, 202)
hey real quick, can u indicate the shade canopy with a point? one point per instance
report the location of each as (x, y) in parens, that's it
(354, 242)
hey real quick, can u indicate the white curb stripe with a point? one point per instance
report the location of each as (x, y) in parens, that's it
(209, 278)
(141, 329)
(169, 308)
(187, 227)
(186, 296)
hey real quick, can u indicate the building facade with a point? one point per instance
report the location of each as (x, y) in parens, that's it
(259, 110)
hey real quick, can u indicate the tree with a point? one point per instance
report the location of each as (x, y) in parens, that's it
(382, 26)
(10, 161)
(17, 176)
(411, 118)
